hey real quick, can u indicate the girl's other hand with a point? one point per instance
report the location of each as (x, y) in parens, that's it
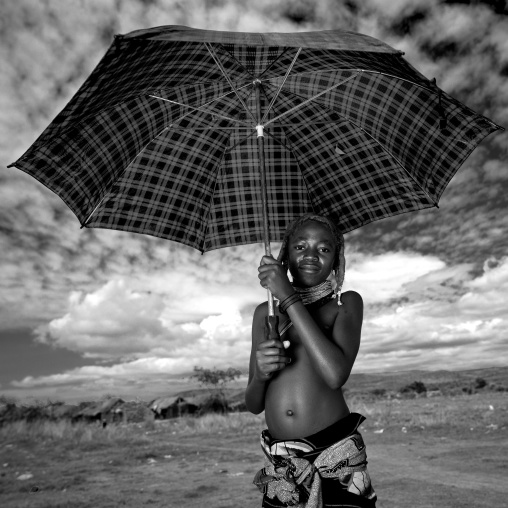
(270, 358)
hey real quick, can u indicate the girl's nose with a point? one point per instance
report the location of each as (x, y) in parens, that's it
(311, 254)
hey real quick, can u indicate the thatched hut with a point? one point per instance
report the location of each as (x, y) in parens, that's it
(99, 412)
(173, 407)
(132, 412)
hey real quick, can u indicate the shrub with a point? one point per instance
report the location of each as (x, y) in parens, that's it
(416, 387)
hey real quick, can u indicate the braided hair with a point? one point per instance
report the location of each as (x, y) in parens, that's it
(339, 264)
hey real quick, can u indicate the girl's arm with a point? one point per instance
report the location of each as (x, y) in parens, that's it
(332, 359)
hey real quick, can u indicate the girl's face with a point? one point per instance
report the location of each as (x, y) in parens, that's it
(311, 254)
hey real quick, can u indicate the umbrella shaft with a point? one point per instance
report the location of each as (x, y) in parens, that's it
(264, 193)
(264, 196)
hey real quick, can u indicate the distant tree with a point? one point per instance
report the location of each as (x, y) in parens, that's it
(215, 381)
(378, 392)
(480, 383)
(106, 396)
(416, 387)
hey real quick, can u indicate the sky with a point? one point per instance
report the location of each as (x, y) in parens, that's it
(89, 312)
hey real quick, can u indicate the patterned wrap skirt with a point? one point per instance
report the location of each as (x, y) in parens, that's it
(326, 469)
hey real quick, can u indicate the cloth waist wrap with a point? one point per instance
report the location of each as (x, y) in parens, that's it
(294, 471)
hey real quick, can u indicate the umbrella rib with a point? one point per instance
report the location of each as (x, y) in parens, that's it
(290, 68)
(272, 64)
(356, 69)
(240, 142)
(201, 109)
(432, 85)
(204, 129)
(312, 98)
(89, 216)
(228, 79)
(286, 146)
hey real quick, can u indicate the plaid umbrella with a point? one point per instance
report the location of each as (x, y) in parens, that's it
(214, 139)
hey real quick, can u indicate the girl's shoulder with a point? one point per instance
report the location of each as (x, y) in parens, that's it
(351, 298)
(351, 303)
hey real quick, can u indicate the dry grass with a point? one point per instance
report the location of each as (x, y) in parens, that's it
(78, 434)
(459, 412)
(74, 434)
(210, 461)
(215, 423)
(467, 411)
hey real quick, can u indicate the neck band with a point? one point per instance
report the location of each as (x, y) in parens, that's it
(314, 293)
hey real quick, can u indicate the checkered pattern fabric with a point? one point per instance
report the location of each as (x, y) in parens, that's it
(156, 141)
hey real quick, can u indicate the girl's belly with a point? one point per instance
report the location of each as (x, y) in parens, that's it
(299, 403)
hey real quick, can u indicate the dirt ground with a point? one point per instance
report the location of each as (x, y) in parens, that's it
(443, 466)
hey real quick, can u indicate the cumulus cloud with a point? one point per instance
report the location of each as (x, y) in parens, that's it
(160, 312)
(469, 330)
(487, 294)
(495, 170)
(111, 320)
(381, 278)
(432, 315)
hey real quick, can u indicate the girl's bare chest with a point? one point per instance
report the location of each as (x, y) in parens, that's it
(291, 333)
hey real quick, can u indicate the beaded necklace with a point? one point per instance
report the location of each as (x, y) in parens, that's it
(314, 293)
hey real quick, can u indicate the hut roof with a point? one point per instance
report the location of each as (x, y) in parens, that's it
(63, 410)
(101, 407)
(164, 402)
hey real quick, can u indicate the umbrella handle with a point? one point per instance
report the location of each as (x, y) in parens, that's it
(272, 327)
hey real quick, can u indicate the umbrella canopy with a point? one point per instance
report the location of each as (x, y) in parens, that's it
(168, 134)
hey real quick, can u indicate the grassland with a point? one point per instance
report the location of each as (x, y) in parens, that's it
(446, 451)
